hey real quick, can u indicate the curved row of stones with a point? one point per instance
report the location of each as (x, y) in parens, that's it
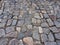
(29, 22)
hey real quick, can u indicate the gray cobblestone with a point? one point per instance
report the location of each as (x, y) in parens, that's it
(29, 22)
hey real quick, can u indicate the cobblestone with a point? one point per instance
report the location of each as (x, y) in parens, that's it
(29, 22)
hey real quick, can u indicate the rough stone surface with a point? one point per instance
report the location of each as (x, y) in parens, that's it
(2, 33)
(28, 40)
(3, 41)
(29, 22)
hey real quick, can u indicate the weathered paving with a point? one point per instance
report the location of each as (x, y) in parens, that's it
(29, 22)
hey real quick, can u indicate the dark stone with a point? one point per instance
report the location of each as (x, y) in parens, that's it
(21, 35)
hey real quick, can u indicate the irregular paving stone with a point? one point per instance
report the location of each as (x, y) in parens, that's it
(24, 29)
(18, 29)
(50, 22)
(38, 22)
(1, 11)
(44, 24)
(21, 42)
(54, 29)
(3, 41)
(29, 26)
(46, 30)
(46, 15)
(51, 37)
(57, 23)
(28, 40)
(9, 22)
(40, 30)
(32, 14)
(12, 34)
(28, 20)
(13, 42)
(53, 17)
(37, 43)
(10, 29)
(37, 16)
(28, 33)
(2, 33)
(20, 35)
(2, 25)
(50, 43)
(44, 37)
(33, 20)
(57, 36)
(14, 22)
(20, 23)
(15, 17)
(58, 42)
(36, 35)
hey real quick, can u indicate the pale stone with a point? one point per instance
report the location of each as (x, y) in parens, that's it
(18, 29)
(40, 30)
(29, 26)
(28, 40)
(37, 16)
(33, 20)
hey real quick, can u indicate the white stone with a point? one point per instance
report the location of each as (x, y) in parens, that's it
(40, 30)
(18, 29)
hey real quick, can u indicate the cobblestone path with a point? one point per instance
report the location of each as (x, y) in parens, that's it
(29, 22)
